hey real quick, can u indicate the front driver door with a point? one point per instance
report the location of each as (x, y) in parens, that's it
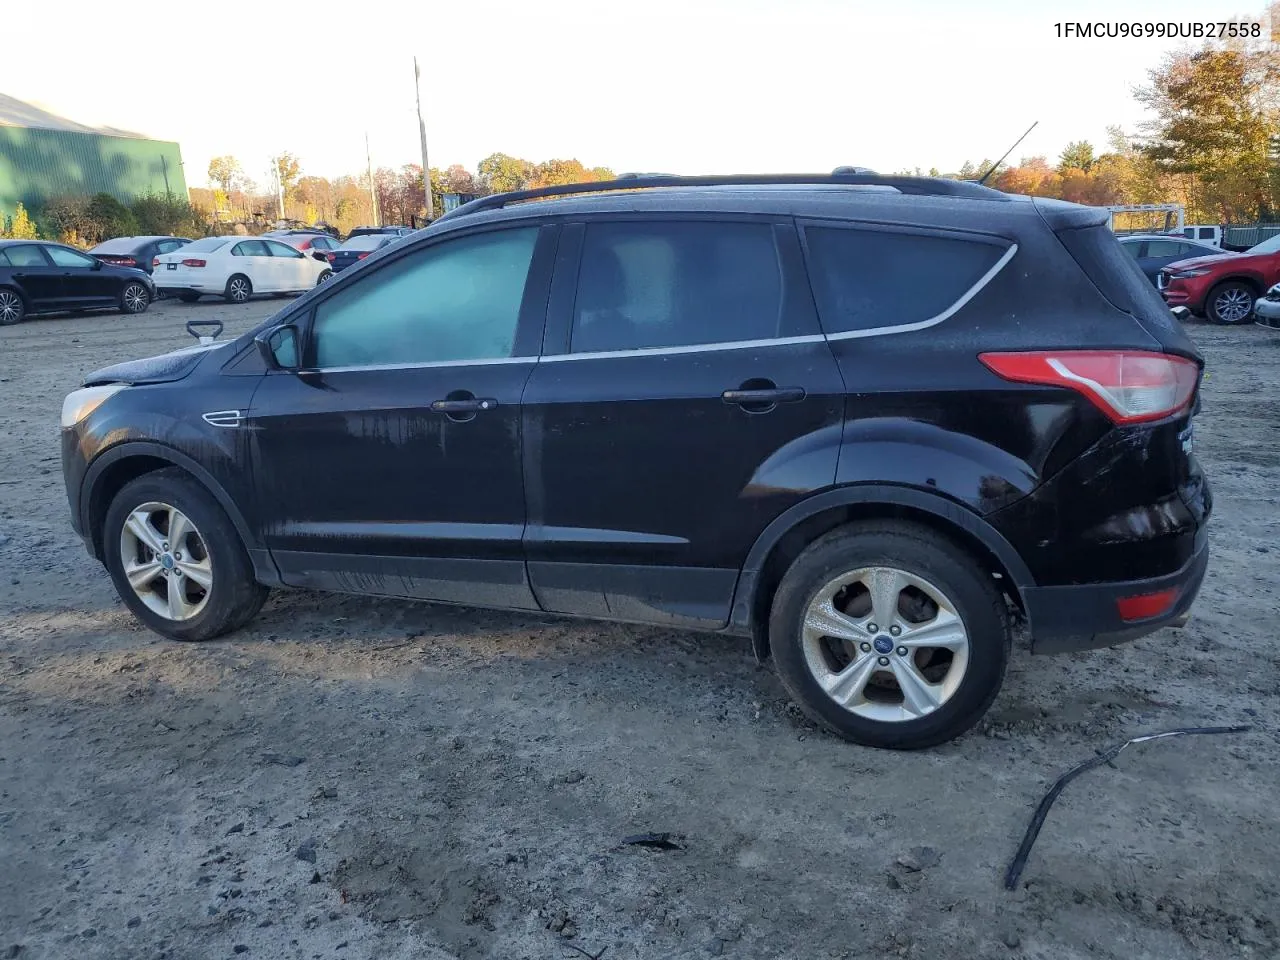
(392, 464)
(40, 280)
(293, 269)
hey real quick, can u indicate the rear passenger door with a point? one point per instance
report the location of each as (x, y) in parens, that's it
(685, 398)
(255, 263)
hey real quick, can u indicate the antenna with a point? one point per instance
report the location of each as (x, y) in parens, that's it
(992, 168)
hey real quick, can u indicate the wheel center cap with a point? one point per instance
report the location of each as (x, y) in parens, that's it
(883, 644)
(166, 561)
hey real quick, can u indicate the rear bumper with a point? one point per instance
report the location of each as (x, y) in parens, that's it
(1086, 616)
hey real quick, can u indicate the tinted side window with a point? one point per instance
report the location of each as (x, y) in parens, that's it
(279, 249)
(26, 255)
(63, 257)
(168, 246)
(1133, 248)
(250, 248)
(866, 279)
(667, 284)
(457, 300)
(1166, 248)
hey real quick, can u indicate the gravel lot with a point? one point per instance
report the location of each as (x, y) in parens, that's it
(373, 779)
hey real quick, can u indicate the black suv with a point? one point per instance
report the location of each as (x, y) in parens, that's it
(872, 423)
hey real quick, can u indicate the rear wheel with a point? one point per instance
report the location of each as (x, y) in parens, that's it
(134, 298)
(890, 635)
(176, 559)
(12, 309)
(1230, 302)
(239, 289)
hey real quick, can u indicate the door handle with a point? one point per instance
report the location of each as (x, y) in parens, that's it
(763, 397)
(472, 405)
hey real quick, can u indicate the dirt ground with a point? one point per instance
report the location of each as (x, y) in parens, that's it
(360, 778)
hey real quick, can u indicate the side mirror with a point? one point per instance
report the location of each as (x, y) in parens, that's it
(320, 255)
(279, 348)
(97, 264)
(1180, 313)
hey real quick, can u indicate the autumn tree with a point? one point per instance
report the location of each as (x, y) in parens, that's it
(501, 173)
(1213, 123)
(458, 179)
(225, 172)
(1076, 155)
(287, 170)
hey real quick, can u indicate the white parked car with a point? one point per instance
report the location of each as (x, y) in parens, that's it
(236, 268)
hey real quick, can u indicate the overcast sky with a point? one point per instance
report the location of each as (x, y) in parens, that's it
(694, 86)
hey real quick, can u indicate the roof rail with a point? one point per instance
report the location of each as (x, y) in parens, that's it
(923, 186)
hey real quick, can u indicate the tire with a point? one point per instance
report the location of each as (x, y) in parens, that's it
(964, 681)
(188, 297)
(1224, 302)
(239, 289)
(12, 307)
(325, 276)
(134, 298)
(213, 551)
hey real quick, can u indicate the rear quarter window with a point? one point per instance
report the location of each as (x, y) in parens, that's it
(867, 280)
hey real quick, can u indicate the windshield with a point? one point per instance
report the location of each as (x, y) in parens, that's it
(366, 241)
(1266, 246)
(207, 244)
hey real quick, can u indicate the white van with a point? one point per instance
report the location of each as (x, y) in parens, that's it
(1204, 234)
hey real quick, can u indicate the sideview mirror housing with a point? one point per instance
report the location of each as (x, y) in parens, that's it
(1180, 313)
(279, 347)
(320, 255)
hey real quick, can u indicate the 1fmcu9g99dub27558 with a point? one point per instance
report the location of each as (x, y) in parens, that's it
(869, 422)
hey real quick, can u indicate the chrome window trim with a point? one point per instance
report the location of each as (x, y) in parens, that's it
(425, 364)
(944, 315)
(968, 295)
(690, 348)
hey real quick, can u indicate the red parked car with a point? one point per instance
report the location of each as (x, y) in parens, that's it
(1222, 287)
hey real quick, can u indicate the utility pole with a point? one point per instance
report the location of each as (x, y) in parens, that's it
(422, 132)
(279, 185)
(373, 195)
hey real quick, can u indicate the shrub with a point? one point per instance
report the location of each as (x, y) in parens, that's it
(66, 218)
(19, 226)
(108, 217)
(169, 216)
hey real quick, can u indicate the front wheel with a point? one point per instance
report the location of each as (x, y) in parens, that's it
(239, 289)
(1230, 302)
(890, 635)
(176, 559)
(134, 298)
(12, 309)
(325, 276)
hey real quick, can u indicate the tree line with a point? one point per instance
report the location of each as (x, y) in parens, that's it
(346, 202)
(1211, 141)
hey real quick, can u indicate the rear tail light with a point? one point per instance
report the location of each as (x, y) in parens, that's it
(330, 257)
(1129, 386)
(155, 261)
(193, 263)
(1146, 605)
(361, 256)
(127, 262)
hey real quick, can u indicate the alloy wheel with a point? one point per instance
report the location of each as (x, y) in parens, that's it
(165, 561)
(10, 307)
(885, 644)
(135, 298)
(239, 290)
(1233, 305)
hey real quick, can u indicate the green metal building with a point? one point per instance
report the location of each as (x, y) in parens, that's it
(43, 155)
